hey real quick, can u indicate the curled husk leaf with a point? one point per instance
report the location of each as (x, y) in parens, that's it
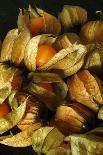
(19, 44)
(51, 99)
(10, 79)
(32, 49)
(94, 58)
(51, 23)
(86, 89)
(46, 138)
(7, 45)
(67, 61)
(92, 31)
(89, 143)
(66, 40)
(71, 16)
(34, 110)
(74, 118)
(21, 139)
(11, 119)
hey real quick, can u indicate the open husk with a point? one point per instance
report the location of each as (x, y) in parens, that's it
(71, 16)
(51, 23)
(86, 89)
(51, 99)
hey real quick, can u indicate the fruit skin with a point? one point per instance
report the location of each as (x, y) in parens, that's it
(4, 109)
(36, 25)
(92, 32)
(44, 54)
(47, 86)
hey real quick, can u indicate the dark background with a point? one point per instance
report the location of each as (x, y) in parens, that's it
(8, 15)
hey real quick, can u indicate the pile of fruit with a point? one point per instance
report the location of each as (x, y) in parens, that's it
(51, 88)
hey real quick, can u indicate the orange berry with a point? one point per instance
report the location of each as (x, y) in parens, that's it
(44, 54)
(4, 109)
(47, 86)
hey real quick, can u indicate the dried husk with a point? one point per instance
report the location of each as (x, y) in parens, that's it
(46, 138)
(11, 119)
(10, 79)
(34, 110)
(51, 23)
(94, 58)
(74, 118)
(7, 45)
(66, 40)
(86, 89)
(71, 16)
(21, 139)
(89, 143)
(51, 99)
(100, 113)
(32, 48)
(19, 45)
(67, 61)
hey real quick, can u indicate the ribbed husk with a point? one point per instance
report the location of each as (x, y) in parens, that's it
(51, 99)
(32, 49)
(71, 16)
(33, 112)
(51, 23)
(92, 32)
(7, 45)
(74, 118)
(19, 45)
(94, 58)
(66, 40)
(67, 61)
(86, 89)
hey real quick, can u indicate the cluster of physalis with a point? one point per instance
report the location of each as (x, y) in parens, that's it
(51, 85)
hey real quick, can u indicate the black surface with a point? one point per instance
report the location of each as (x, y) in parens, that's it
(8, 15)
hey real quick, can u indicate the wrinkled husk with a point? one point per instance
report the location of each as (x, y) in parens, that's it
(67, 61)
(66, 40)
(11, 119)
(88, 144)
(46, 138)
(21, 139)
(19, 45)
(34, 109)
(51, 99)
(86, 89)
(71, 16)
(32, 48)
(74, 118)
(94, 58)
(7, 45)
(8, 77)
(59, 151)
(51, 23)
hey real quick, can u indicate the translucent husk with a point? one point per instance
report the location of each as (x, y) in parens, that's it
(51, 23)
(51, 99)
(86, 89)
(76, 15)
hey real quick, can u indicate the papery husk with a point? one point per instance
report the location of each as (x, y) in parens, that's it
(34, 110)
(46, 138)
(66, 40)
(74, 118)
(8, 76)
(86, 89)
(21, 139)
(7, 45)
(32, 48)
(11, 119)
(100, 113)
(94, 58)
(51, 23)
(19, 45)
(60, 151)
(51, 99)
(89, 143)
(71, 16)
(70, 58)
